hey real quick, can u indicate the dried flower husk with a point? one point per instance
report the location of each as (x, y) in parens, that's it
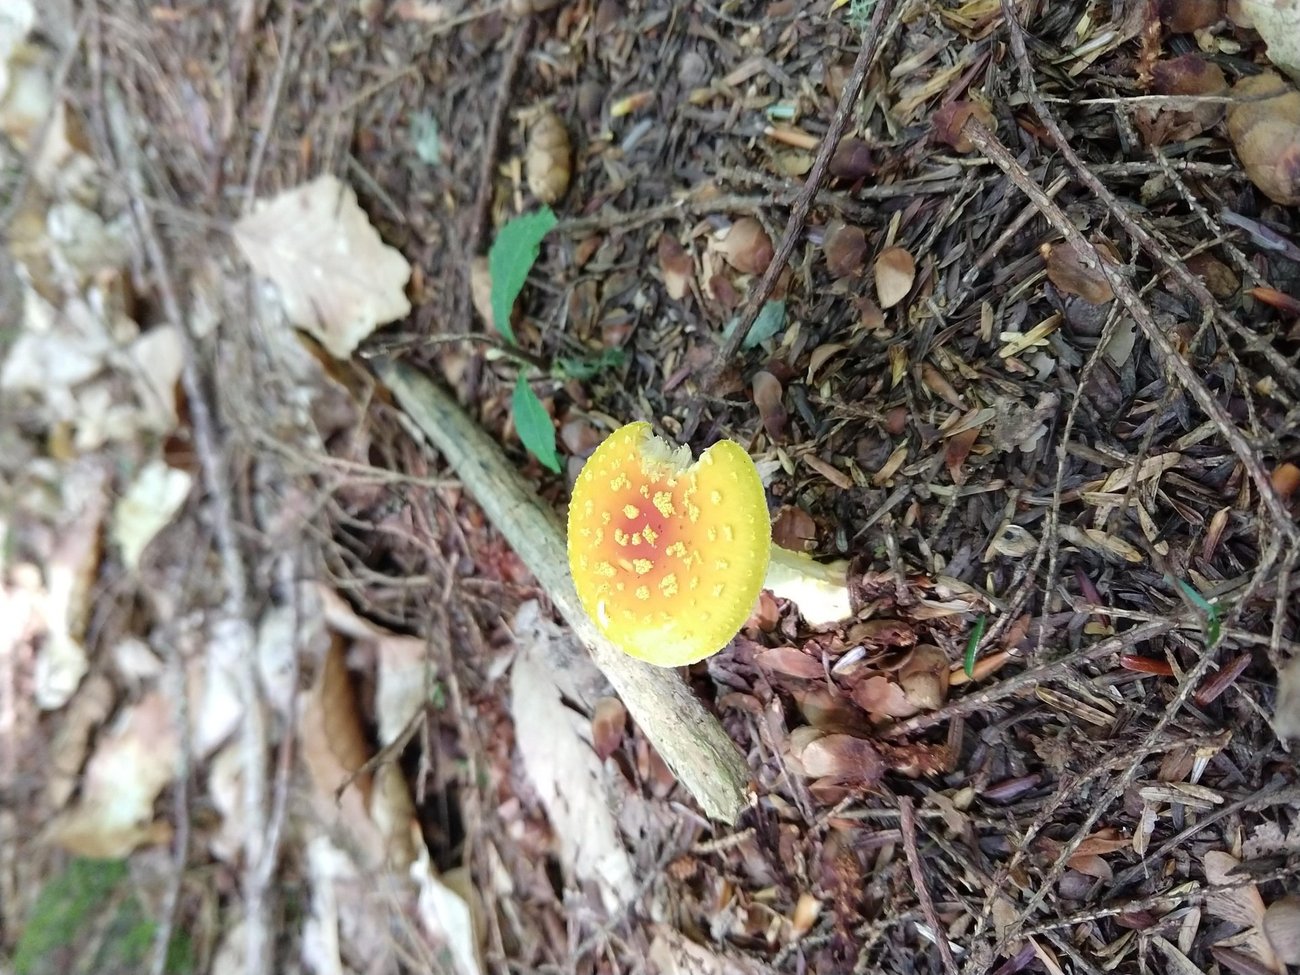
(548, 159)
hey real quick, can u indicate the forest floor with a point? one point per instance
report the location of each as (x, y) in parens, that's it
(1002, 298)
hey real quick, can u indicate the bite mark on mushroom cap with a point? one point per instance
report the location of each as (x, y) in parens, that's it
(668, 556)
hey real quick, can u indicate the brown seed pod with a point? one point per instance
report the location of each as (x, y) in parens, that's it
(547, 161)
(747, 247)
(949, 119)
(1264, 126)
(845, 249)
(852, 159)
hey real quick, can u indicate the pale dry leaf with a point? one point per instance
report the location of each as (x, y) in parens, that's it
(337, 279)
(88, 709)
(1240, 905)
(447, 913)
(1278, 22)
(564, 658)
(1119, 346)
(401, 662)
(146, 508)
(1282, 928)
(350, 912)
(1286, 710)
(1179, 963)
(280, 633)
(672, 953)
(70, 572)
(212, 687)
(402, 665)
(1018, 426)
(17, 18)
(226, 792)
(569, 779)
(895, 273)
(332, 746)
(131, 765)
(29, 93)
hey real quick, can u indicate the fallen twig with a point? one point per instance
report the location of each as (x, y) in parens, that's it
(997, 153)
(689, 738)
(235, 624)
(488, 151)
(1035, 675)
(871, 43)
(907, 822)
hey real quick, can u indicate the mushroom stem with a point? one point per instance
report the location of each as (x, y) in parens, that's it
(819, 589)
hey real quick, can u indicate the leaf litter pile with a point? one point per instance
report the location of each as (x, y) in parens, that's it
(1002, 298)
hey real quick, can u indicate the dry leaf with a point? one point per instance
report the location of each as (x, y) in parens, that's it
(1073, 274)
(949, 120)
(1241, 905)
(70, 572)
(1278, 22)
(1282, 927)
(150, 502)
(1185, 16)
(881, 698)
(746, 246)
(845, 249)
(767, 397)
(333, 747)
(480, 289)
(895, 273)
(88, 709)
(17, 18)
(1264, 125)
(1218, 277)
(569, 779)
(924, 677)
(1286, 710)
(672, 953)
(676, 265)
(1190, 75)
(792, 662)
(450, 910)
(608, 722)
(336, 278)
(133, 763)
(843, 758)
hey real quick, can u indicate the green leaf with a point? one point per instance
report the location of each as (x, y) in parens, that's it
(534, 424)
(510, 258)
(571, 367)
(973, 645)
(1211, 611)
(770, 320)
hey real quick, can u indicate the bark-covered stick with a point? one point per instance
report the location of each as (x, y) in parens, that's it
(690, 739)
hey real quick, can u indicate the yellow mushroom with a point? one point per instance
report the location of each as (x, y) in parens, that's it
(668, 556)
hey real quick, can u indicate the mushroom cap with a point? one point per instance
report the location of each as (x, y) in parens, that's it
(668, 556)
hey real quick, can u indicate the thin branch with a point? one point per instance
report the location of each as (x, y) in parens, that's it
(235, 627)
(488, 151)
(998, 154)
(907, 822)
(1030, 678)
(871, 44)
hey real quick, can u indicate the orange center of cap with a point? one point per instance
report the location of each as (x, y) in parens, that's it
(667, 556)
